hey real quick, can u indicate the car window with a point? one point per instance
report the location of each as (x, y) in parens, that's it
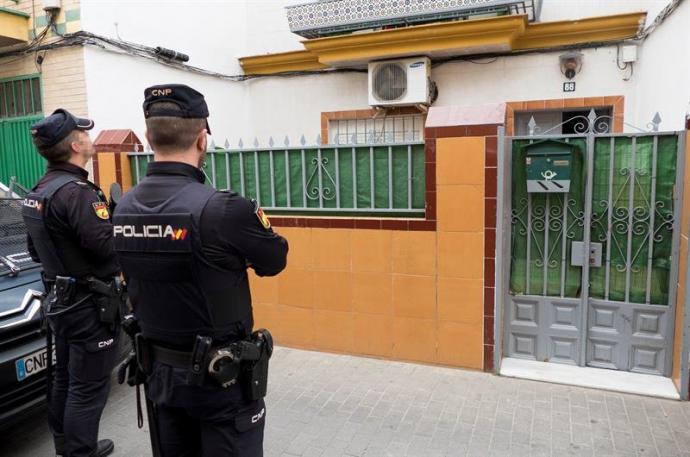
(13, 250)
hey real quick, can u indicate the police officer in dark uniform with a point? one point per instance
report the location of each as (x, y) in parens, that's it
(184, 249)
(70, 233)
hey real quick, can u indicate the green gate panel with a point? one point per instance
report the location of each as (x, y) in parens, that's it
(622, 209)
(557, 265)
(288, 180)
(661, 242)
(18, 156)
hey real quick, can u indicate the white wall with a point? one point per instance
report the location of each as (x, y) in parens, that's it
(529, 77)
(267, 28)
(215, 33)
(293, 106)
(115, 85)
(212, 33)
(556, 10)
(662, 73)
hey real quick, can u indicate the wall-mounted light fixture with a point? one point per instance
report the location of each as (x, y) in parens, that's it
(571, 64)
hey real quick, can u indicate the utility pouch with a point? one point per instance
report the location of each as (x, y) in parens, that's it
(108, 309)
(63, 292)
(197, 369)
(255, 372)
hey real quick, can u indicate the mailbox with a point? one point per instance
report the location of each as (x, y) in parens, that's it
(548, 166)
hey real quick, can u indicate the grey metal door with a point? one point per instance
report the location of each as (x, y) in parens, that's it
(591, 274)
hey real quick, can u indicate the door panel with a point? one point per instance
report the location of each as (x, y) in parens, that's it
(629, 312)
(546, 329)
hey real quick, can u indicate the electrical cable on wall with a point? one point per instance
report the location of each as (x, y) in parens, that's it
(123, 47)
(660, 18)
(174, 59)
(160, 55)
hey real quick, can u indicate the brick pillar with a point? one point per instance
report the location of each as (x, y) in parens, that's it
(111, 163)
(467, 211)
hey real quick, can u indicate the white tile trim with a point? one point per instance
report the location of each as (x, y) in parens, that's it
(595, 378)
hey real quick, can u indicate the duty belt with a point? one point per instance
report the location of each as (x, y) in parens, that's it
(66, 294)
(225, 365)
(166, 356)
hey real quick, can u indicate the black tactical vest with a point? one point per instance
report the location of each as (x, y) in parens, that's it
(176, 292)
(68, 260)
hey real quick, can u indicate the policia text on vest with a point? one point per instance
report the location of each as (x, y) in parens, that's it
(184, 249)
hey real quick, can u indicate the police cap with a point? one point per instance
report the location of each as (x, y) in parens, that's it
(50, 130)
(190, 102)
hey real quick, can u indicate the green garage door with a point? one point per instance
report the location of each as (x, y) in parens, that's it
(20, 107)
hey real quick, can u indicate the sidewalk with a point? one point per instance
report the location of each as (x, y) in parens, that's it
(324, 405)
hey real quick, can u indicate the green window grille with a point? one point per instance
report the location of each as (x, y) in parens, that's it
(20, 97)
(381, 180)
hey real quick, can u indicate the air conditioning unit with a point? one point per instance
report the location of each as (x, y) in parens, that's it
(403, 82)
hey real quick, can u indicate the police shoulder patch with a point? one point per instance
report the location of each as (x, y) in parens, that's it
(259, 212)
(101, 210)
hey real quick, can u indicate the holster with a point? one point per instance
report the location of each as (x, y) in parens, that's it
(256, 371)
(109, 298)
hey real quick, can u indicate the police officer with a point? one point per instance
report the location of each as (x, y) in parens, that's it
(185, 249)
(70, 233)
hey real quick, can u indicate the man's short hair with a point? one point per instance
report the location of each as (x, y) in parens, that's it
(170, 134)
(61, 151)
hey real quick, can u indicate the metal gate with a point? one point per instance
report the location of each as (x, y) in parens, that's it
(20, 107)
(18, 156)
(591, 273)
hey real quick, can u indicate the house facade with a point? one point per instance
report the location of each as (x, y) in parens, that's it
(416, 231)
(35, 83)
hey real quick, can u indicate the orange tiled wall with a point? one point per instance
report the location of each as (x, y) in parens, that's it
(111, 167)
(406, 295)
(105, 172)
(682, 270)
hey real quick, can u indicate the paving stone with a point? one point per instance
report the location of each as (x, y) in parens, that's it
(324, 405)
(623, 441)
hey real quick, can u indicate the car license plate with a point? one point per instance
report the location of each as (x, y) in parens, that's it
(31, 364)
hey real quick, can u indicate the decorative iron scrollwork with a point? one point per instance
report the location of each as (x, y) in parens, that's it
(316, 190)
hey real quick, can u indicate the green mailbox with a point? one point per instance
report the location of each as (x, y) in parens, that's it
(548, 166)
